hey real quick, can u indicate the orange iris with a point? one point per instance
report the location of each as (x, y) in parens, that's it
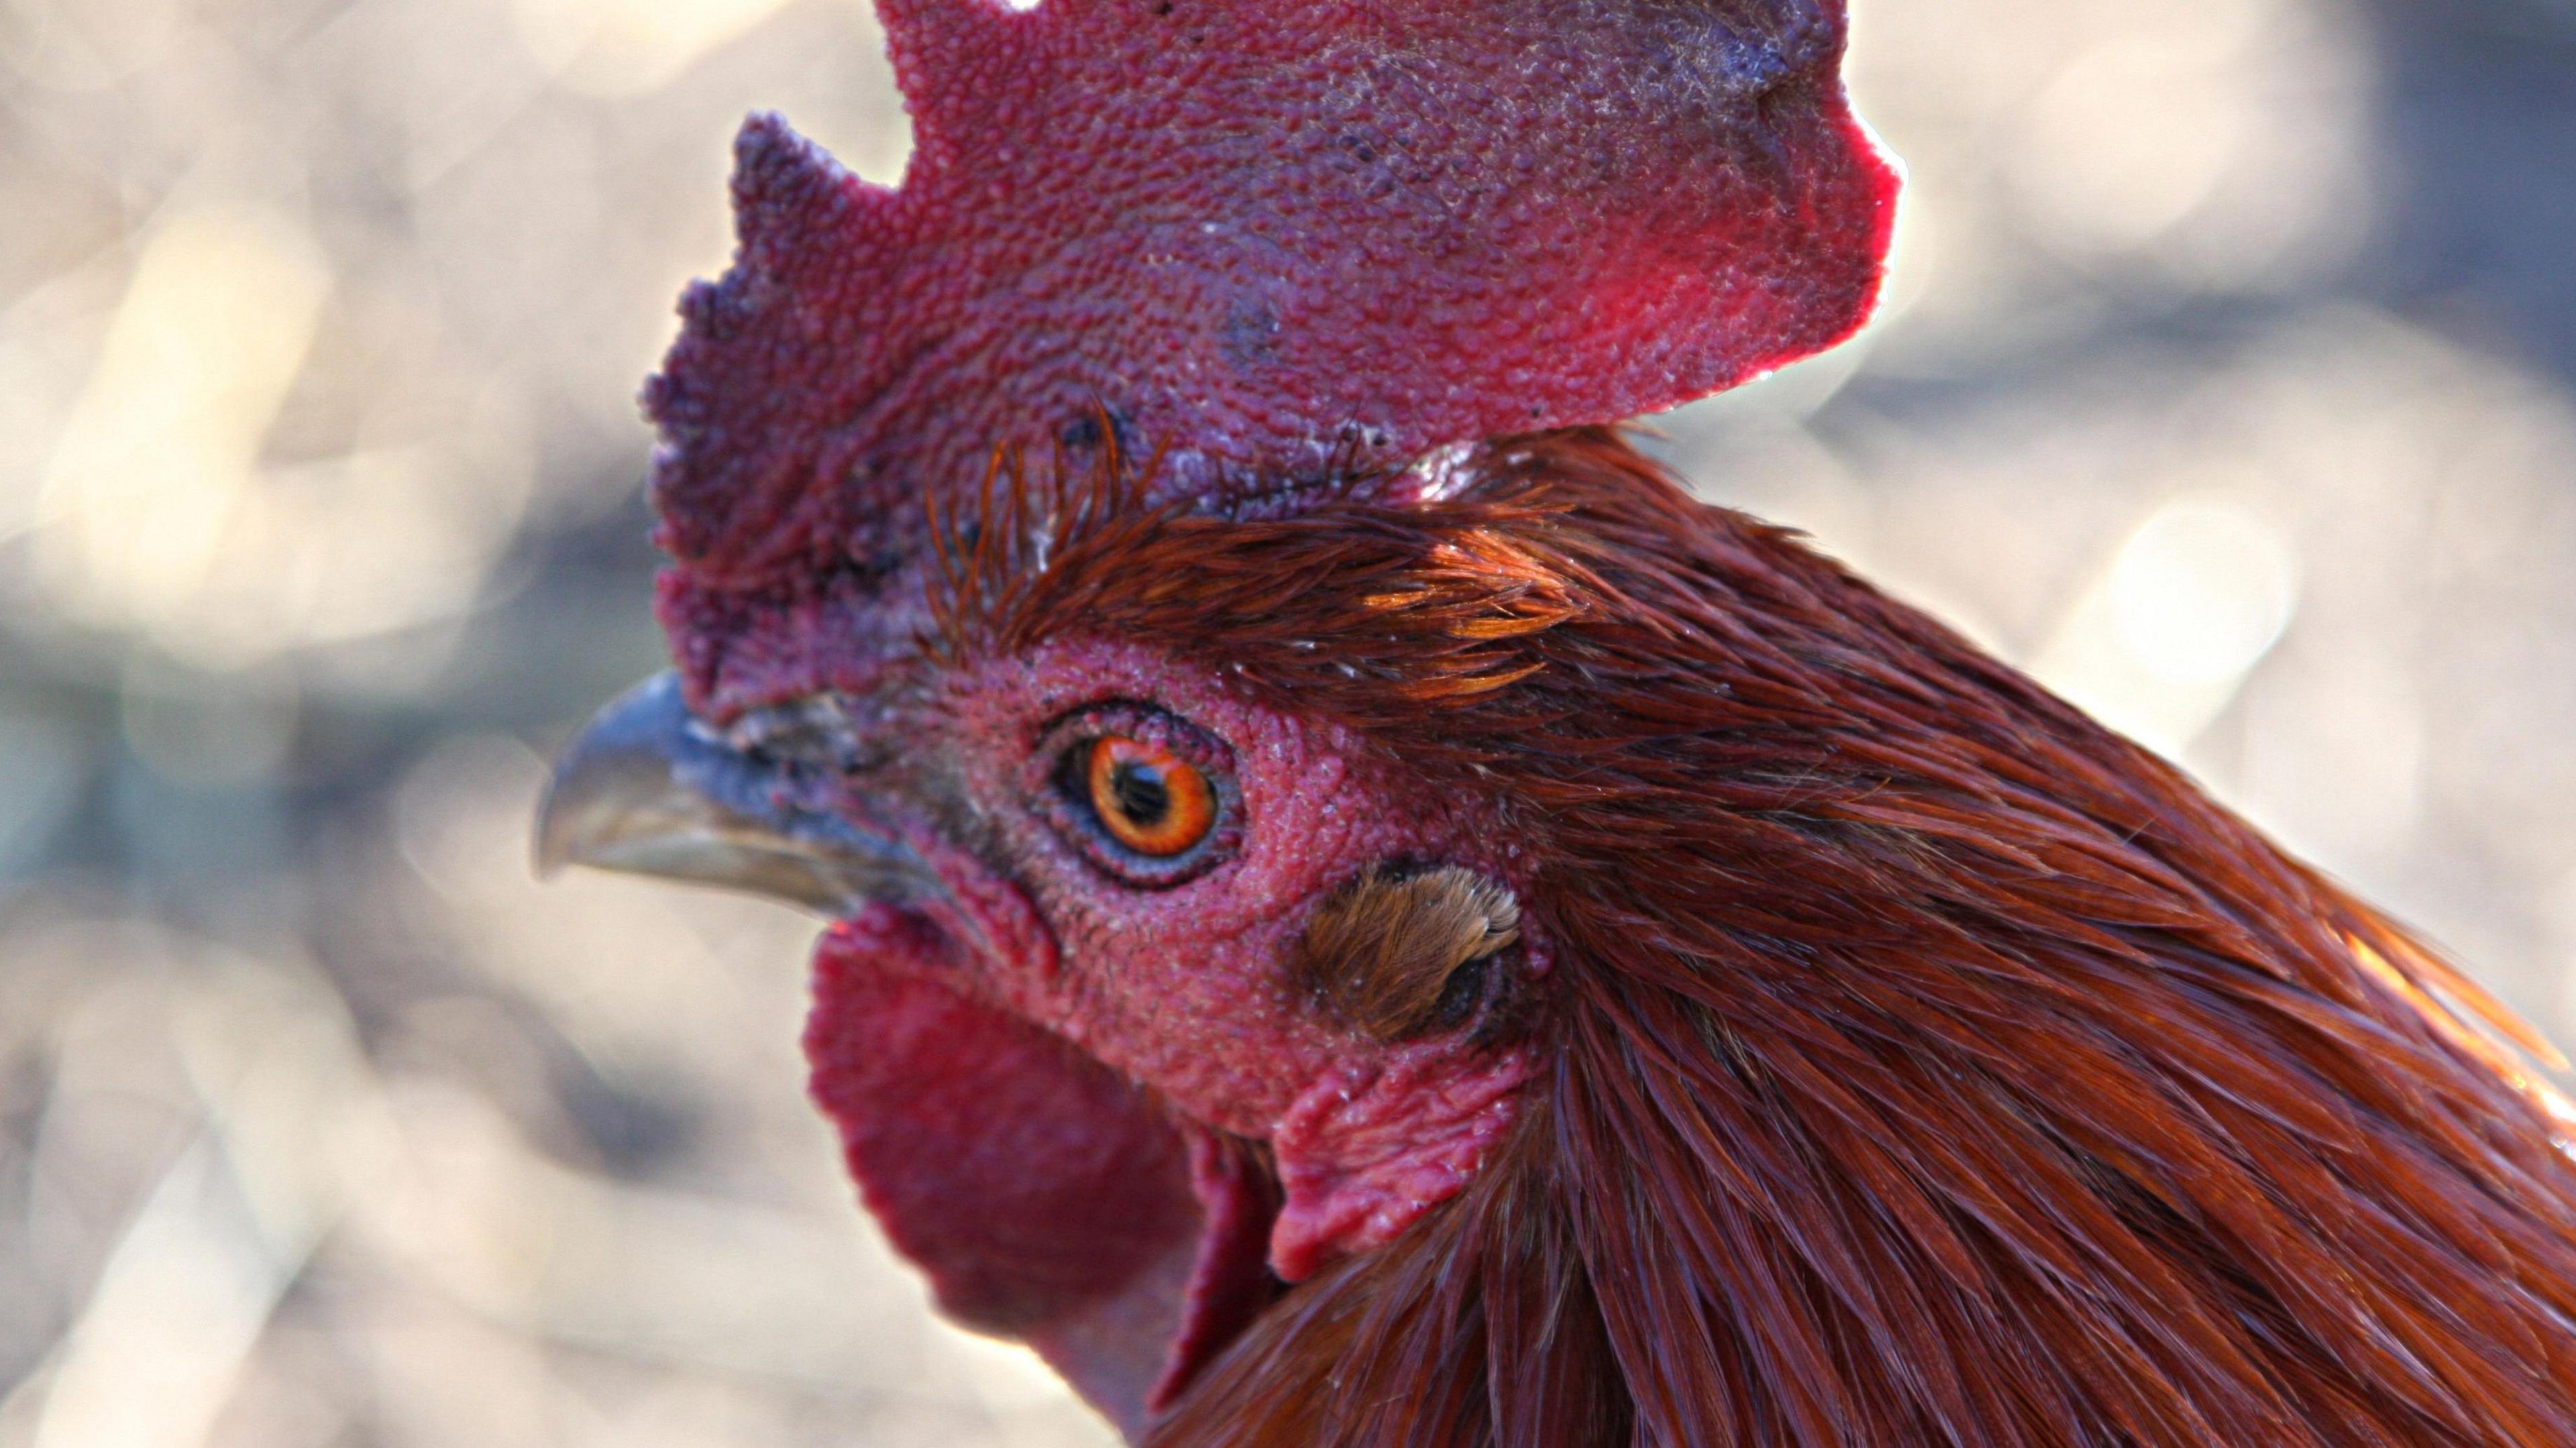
(1149, 799)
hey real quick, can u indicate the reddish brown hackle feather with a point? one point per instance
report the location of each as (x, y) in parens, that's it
(1928, 1064)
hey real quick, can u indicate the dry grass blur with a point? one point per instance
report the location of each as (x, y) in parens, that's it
(2228, 384)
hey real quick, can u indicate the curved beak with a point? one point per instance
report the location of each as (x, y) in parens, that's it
(647, 789)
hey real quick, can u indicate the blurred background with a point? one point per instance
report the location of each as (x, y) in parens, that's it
(2229, 383)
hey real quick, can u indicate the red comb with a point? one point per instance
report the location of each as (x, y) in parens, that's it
(1271, 237)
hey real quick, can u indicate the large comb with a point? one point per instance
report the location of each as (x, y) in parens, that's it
(1272, 239)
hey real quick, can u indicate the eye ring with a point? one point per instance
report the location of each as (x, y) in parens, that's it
(1144, 795)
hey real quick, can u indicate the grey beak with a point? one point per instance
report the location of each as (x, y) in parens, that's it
(647, 789)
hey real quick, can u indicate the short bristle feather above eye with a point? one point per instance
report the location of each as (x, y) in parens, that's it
(1285, 240)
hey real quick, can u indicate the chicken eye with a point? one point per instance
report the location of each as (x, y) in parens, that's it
(1148, 798)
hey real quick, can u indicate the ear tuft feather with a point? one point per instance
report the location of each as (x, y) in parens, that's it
(1388, 952)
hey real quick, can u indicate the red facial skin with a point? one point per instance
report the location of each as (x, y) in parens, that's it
(978, 1052)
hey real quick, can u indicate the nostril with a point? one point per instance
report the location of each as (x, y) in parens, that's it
(814, 732)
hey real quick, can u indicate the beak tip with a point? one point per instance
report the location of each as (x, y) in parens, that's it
(544, 860)
(625, 750)
(560, 830)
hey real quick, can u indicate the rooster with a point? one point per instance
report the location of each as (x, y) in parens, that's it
(1361, 914)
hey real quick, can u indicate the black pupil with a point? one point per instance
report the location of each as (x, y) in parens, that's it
(1142, 796)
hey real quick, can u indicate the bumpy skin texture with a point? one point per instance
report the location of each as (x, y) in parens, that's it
(1275, 237)
(1182, 987)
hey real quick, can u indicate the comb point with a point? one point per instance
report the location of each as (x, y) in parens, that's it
(789, 193)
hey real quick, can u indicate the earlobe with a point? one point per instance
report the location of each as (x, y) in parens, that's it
(1368, 1149)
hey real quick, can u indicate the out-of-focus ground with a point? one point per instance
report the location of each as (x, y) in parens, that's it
(2227, 383)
